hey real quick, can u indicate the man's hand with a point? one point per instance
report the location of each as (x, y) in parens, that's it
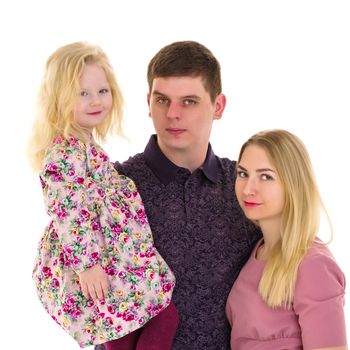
(94, 283)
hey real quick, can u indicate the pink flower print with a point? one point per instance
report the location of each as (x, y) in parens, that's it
(127, 194)
(104, 157)
(100, 192)
(121, 275)
(151, 308)
(55, 283)
(68, 251)
(75, 313)
(71, 172)
(56, 177)
(51, 168)
(80, 180)
(95, 226)
(75, 261)
(111, 308)
(167, 287)
(141, 320)
(119, 329)
(61, 214)
(109, 270)
(85, 214)
(93, 151)
(46, 271)
(141, 213)
(42, 182)
(117, 228)
(128, 316)
(90, 303)
(95, 257)
(109, 321)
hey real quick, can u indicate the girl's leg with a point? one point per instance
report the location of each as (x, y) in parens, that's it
(128, 342)
(159, 332)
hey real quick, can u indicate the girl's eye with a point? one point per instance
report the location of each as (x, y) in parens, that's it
(83, 93)
(104, 91)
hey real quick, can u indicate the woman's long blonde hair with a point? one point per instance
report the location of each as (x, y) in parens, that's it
(300, 215)
(58, 93)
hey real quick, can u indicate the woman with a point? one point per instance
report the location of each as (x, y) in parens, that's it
(290, 293)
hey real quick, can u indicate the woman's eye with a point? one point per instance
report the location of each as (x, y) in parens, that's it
(266, 177)
(242, 174)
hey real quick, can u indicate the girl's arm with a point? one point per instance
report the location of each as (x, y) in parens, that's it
(67, 183)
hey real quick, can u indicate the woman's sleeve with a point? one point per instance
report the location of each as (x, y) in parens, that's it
(66, 182)
(319, 302)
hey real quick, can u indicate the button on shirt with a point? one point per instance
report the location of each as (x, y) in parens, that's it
(200, 230)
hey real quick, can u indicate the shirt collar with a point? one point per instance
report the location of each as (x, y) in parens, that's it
(166, 170)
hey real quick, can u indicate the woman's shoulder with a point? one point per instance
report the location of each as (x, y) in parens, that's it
(319, 267)
(319, 251)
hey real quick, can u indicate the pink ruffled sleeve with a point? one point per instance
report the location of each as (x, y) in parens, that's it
(319, 300)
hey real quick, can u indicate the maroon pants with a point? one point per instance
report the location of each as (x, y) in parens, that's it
(157, 334)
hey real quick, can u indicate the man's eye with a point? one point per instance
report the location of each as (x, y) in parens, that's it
(189, 102)
(162, 100)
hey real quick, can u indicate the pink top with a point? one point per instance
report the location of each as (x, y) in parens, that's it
(315, 320)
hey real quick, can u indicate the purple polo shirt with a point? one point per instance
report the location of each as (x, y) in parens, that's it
(200, 230)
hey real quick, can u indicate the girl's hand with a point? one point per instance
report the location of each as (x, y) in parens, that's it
(94, 283)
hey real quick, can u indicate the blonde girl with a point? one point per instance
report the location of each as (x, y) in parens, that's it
(97, 272)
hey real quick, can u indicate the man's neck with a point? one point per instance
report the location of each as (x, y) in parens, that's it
(189, 160)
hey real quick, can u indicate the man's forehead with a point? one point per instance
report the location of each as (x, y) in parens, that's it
(179, 86)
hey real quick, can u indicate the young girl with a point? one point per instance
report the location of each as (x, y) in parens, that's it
(97, 272)
(290, 293)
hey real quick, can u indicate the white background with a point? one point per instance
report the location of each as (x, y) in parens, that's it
(285, 64)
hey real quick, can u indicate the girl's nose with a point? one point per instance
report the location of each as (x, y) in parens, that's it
(95, 101)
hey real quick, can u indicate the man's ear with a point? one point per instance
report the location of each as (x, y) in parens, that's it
(148, 103)
(220, 104)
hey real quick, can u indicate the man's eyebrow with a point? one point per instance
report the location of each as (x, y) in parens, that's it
(194, 97)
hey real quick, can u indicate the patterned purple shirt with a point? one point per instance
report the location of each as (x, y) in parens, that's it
(201, 232)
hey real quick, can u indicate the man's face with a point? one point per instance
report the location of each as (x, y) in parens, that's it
(183, 113)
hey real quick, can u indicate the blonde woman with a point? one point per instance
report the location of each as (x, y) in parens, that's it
(97, 272)
(290, 293)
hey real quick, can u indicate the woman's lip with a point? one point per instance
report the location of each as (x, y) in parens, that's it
(95, 113)
(250, 204)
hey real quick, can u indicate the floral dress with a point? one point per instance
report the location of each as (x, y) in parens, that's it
(97, 217)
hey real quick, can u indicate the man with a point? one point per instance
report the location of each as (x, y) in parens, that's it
(188, 193)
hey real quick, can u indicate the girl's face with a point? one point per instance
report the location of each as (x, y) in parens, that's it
(94, 101)
(258, 187)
